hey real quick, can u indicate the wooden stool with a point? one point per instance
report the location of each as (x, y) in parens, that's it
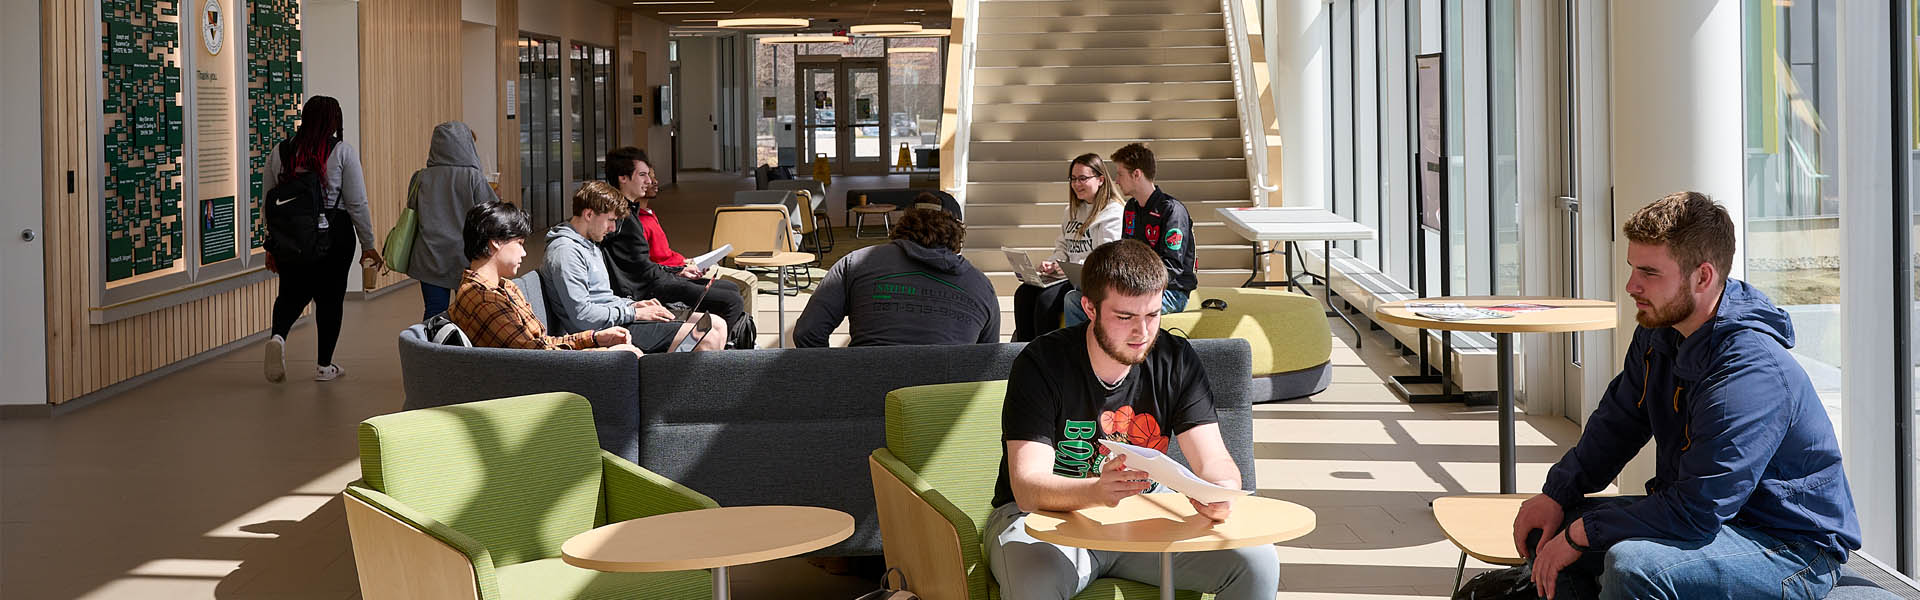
(1481, 525)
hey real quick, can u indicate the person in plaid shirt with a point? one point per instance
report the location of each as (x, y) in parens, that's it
(490, 309)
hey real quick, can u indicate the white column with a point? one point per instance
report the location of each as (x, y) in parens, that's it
(1675, 103)
(23, 316)
(1299, 61)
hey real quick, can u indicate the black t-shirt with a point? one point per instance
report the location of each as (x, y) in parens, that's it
(1054, 398)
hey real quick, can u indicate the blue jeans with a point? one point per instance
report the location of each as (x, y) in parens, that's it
(436, 298)
(1738, 562)
(1171, 301)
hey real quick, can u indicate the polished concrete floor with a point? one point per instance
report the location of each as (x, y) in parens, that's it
(211, 482)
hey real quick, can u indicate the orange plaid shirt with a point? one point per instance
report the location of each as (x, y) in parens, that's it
(499, 317)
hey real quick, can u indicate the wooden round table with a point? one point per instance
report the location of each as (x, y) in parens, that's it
(1167, 523)
(1566, 315)
(779, 262)
(861, 212)
(713, 538)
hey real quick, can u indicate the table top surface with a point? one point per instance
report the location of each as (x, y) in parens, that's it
(779, 259)
(1293, 225)
(1481, 524)
(707, 538)
(1567, 314)
(1168, 523)
(876, 208)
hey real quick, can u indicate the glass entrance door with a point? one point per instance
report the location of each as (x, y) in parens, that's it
(841, 107)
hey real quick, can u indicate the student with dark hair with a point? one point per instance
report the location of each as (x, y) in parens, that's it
(318, 147)
(575, 278)
(631, 267)
(490, 308)
(1121, 378)
(915, 290)
(1157, 219)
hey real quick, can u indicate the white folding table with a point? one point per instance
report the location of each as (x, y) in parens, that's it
(1293, 225)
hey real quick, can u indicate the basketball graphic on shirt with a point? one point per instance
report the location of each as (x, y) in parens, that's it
(1173, 239)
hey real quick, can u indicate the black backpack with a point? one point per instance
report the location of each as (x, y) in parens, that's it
(292, 211)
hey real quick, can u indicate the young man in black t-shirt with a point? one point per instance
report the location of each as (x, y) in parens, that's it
(1118, 377)
(1156, 218)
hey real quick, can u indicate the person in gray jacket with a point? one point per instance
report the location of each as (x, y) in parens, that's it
(576, 281)
(916, 290)
(440, 196)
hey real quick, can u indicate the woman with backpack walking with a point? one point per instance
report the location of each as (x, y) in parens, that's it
(315, 210)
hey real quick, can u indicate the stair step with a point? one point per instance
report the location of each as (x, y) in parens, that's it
(1095, 23)
(1096, 130)
(1054, 211)
(1004, 283)
(1103, 92)
(1056, 171)
(1201, 190)
(1106, 111)
(1101, 57)
(1163, 73)
(1103, 39)
(1064, 151)
(1075, 8)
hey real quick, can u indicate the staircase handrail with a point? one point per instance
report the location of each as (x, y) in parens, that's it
(1254, 134)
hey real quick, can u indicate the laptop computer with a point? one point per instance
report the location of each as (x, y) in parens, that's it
(1024, 270)
(700, 328)
(1073, 274)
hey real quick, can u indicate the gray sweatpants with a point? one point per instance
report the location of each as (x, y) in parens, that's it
(1029, 569)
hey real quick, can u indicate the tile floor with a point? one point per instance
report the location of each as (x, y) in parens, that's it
(212, 483)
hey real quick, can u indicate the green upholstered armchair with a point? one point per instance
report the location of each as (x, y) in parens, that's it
(934, 486)
(1291, 341)
(473, 501)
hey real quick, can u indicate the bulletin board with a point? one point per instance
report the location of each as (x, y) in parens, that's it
(192, 96)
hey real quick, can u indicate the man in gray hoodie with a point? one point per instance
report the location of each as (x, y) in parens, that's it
(575, 278)
(440, 196)
(916, 290)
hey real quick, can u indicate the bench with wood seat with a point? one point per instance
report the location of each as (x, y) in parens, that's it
(1481, 525)
(1364, 288)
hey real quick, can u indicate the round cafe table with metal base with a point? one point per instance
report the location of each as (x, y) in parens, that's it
(779, 261)
(1564, 315)
(712, 538)
(1167, 523)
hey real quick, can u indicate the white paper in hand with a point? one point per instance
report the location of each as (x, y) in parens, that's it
(1171, 473)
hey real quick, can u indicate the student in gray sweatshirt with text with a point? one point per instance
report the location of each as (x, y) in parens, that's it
(915, 290)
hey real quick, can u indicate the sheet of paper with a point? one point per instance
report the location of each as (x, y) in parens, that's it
(1171, 473)
(709, 259)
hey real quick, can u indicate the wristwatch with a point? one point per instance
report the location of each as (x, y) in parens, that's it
(1568, 533)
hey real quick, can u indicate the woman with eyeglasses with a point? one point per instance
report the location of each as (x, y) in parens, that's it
(1092, 219)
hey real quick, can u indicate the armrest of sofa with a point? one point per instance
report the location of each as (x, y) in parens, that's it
(440, 375)
(930, 539)
(399, 551)
(631, 492)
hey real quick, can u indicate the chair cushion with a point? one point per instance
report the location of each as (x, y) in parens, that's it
(520, 475)
(950, 435)
(1286, 330)
(1114, 588)
(554, 578)
(536, 296)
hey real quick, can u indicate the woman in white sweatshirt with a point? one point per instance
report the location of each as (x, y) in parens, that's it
(1093, 218)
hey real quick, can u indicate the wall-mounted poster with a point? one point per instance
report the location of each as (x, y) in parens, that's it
(142, 130)
(215, 176)
(275, 85)
(1432, 140)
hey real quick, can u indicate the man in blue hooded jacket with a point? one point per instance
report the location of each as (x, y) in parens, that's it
(1748, 498)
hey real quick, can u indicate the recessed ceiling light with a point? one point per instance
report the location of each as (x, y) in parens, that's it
(805, 39)
(694, 12)
(878, 28)
(659, 2)
(764, 23)
(918, 10)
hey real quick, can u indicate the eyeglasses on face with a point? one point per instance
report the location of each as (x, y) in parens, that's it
(1079, 179)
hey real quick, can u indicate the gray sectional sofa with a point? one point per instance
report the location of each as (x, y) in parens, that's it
(767, 426)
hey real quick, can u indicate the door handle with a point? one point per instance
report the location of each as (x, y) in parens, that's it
(1568, 204)
(28, 235)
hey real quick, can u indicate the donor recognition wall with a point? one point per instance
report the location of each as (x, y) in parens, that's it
(193, 95)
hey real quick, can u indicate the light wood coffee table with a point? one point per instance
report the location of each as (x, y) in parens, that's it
(1167, 523)
(1567, 315)
(713, 538)
(779, 262)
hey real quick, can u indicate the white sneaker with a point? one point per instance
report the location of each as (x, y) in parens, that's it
(276, 359)
(329, 373)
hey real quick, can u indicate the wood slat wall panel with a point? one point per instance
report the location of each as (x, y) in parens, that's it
(409, 82)
(506, 52)
(83, 358)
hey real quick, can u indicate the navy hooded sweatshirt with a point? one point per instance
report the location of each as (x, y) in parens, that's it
(1741, 437)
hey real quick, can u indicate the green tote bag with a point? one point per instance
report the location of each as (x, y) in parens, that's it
(399, 247)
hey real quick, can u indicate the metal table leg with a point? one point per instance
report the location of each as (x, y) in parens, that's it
(720, 591)
(1504, 343)
(780, 326)
(1326, 284)
(1166, 576)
